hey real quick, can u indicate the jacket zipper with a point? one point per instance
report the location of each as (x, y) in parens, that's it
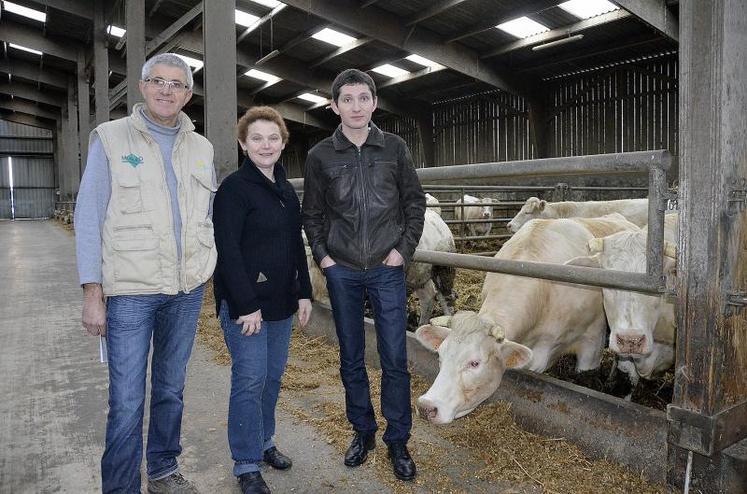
(364, 222)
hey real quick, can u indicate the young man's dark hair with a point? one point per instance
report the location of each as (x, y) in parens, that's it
(352, 76)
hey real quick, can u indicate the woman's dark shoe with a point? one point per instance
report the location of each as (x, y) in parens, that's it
(357, 453)
(253, 483)
(276, 459)
(404, 467)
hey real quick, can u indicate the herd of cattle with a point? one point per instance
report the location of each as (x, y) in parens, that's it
(530, 323)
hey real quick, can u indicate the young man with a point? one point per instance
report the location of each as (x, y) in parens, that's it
(145, 249)
(363, 214)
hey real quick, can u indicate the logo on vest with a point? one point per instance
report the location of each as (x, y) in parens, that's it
(201, 165)
(133, 160)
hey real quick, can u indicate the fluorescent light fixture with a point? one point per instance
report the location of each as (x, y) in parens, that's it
(333, 37)
(192, 62)
(422, 61)
(583, 9)
(116, 31)
(312, 98)
(25, 11)
(268, 3)
(23, 48)
(262, 76)
(523, 27)
(390, 70)
(245, 19)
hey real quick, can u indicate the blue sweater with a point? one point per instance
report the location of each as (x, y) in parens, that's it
(95, 192)
(261, 257)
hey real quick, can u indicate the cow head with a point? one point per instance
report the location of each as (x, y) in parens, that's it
(533, 208)
(486, 211)
(473, 355)
(632, 317)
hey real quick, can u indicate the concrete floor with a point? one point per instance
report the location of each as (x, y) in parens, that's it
(54, 390)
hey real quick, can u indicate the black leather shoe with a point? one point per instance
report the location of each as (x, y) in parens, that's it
(276, 459)
(404, 467)
(357, 453)
(253, 483)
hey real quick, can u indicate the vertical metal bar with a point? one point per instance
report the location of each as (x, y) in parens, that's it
(657, 189)
(220, 83)
(72, 167)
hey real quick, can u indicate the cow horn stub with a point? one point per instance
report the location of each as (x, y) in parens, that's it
(443, 321)
(498, 333)
(595, 245)
(670, 250)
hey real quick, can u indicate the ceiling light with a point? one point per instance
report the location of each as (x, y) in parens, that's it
(312, 98)
(422, 61)
(23, 48)
(333, 37)
(262, 76)
(192, 62)
(25, 11)
(523, 27)
(390, 70)
(267, 3)
(116, 31)
(583, 9)
(245, 19)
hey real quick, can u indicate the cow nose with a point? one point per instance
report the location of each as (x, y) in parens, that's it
(427, 410)
(635, 343)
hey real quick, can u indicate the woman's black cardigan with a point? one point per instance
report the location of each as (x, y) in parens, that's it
(261, 256)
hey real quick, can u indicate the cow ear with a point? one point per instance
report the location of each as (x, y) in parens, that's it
(515, 355)
(431, 336)
(542, 205)
(585, 261)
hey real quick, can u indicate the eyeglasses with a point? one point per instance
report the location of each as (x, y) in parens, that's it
(159, 83)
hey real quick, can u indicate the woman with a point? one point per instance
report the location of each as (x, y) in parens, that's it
(261, 279)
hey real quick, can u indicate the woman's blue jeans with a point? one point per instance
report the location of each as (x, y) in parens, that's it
(385, 287)
(257, 366)
(132, 321)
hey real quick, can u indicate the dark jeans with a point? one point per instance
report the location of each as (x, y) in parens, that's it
(132, 321)
(257, 366)
(385, 286)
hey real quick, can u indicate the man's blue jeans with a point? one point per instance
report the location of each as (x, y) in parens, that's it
(257, 366)
(132, 320)
(385, 286)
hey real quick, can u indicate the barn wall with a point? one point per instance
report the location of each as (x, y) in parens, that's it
(627, 107)
(31, 150)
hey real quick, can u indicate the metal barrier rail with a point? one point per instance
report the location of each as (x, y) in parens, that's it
(655, 163)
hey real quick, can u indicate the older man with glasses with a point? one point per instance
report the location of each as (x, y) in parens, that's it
(145, 249)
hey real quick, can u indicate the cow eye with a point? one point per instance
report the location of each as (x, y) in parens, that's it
(474, 364)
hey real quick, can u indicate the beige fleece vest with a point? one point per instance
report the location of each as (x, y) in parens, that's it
(139, 253)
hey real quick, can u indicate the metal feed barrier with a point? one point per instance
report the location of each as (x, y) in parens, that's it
(655, 163)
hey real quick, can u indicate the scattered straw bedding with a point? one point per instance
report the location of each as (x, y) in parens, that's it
(483, 452)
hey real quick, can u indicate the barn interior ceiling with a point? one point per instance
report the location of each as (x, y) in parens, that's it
(418, 51)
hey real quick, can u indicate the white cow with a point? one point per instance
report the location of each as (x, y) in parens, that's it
(483, 209)
(432, 203)
(642, 327)
(427, 281)
(635, 210)
(530, 322)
